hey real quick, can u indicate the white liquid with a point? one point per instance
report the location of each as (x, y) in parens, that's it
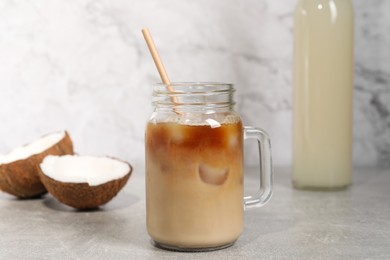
(323, 79)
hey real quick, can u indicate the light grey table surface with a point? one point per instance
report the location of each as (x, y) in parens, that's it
(350, 224)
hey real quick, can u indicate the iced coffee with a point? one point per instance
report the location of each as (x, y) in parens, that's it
(194, 182)
(194, 167)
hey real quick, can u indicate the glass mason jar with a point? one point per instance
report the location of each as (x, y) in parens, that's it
(194, 167)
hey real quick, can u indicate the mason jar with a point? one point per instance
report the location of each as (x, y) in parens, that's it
(194, 167)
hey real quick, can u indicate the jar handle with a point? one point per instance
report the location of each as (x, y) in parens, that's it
(263, 195)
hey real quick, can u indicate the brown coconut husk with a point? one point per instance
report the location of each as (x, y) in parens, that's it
(82, 195)
(21, 178)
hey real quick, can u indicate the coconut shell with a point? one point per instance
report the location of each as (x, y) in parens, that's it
(82, 195)
(21, 178)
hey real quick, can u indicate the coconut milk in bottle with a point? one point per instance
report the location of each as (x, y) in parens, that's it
(323, 79)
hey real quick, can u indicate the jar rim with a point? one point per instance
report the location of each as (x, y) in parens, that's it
(193, 87)
(193, 96)
(195, 83)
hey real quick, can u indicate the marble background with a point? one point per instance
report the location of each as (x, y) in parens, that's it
(82, 65)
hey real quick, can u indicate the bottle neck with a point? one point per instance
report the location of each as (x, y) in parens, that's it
(193, 97)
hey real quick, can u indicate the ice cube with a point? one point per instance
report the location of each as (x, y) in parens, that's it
(213, 175)
(176, 133)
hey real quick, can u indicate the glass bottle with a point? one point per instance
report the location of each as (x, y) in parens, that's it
(322, 100)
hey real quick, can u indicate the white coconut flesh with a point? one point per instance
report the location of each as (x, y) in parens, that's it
(36, 147)
(83, 169)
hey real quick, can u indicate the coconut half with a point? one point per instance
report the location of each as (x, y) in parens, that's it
(84, 182)
(19, 169)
